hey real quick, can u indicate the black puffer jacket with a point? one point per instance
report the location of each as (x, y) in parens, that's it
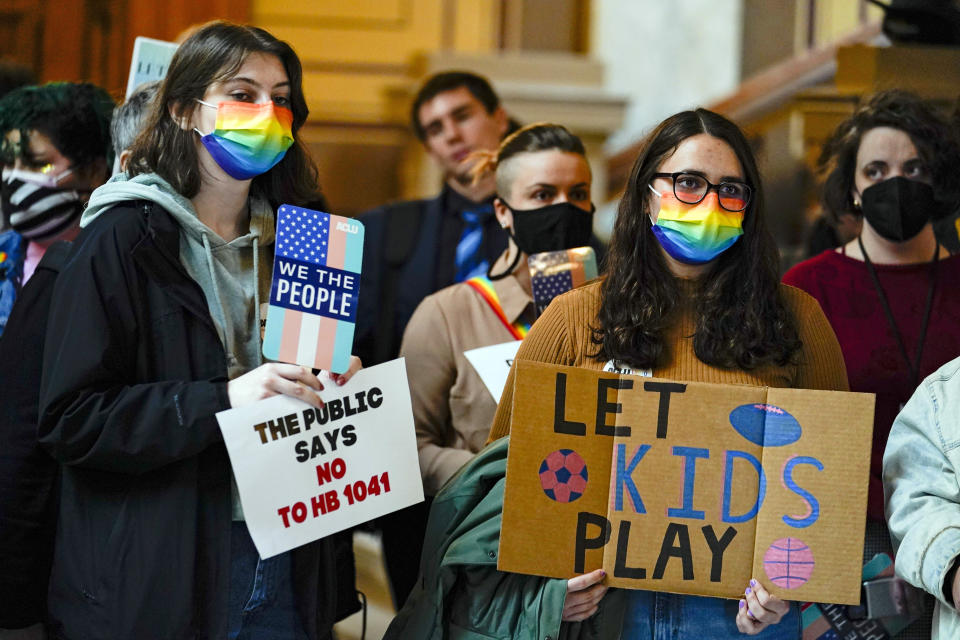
(134, 373)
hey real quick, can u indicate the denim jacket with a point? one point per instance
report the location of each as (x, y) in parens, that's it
(920, 468)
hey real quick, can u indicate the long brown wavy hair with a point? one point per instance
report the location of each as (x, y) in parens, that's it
(215, 53)
(741, 320)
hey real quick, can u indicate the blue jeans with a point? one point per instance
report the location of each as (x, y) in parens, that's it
(667, 616)
(261, 593)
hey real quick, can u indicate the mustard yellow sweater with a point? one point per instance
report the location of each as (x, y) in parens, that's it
(562, 336)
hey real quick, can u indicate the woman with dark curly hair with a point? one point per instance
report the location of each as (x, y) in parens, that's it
(691, 294)
(893, 288)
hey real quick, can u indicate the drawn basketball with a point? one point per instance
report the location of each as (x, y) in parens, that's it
(788, 563)
(563, 475)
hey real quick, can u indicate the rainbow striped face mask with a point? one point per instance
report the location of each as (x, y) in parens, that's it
(696, 233)
(248, 139)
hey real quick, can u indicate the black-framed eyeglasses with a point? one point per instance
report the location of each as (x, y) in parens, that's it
(692, 188)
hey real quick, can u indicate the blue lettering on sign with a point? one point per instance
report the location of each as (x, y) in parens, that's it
(728, 486)
(312, 288)
(623, 477)
(813, 505)
(690, 455)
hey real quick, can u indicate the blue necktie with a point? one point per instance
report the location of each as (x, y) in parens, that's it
(469, 260)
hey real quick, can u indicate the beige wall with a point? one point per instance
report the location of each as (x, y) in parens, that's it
(353, 53)
(362, 60)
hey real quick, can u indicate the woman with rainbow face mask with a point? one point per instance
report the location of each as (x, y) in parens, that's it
(691, 294)
(155, 327)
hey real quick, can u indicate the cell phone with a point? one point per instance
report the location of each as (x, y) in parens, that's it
(892, 596)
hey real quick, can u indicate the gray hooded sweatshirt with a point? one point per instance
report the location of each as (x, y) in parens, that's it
(235, 276)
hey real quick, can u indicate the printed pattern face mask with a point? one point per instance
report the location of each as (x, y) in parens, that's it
(35, 207)
(248, 139)
(696, 233)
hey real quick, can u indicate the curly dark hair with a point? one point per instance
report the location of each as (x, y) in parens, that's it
(74, 115)
(215, 52)
(935, 140)
(741, 320)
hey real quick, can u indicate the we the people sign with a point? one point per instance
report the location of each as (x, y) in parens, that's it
(686, 487)
(316, 284)
(304, 473)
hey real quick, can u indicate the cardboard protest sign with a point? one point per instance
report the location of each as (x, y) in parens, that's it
(686, 487)
(556, 272)
(150, 61)
(316, 281)
(493, 364)
(304, 473)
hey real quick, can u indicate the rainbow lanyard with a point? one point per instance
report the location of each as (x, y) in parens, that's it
(484, 287)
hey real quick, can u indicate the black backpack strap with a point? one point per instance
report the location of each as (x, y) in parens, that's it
(401, 229)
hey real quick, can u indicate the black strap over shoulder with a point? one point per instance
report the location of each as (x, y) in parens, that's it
(401, 230)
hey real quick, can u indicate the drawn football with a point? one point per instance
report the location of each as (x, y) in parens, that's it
(563, 475)
(788, 563)
(765, 425)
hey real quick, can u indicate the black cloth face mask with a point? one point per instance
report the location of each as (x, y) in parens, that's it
(899, 208)
(554, 227)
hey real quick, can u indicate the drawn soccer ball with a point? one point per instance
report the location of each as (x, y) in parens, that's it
(563, 475)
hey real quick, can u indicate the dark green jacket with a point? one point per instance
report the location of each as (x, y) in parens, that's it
(461, 595)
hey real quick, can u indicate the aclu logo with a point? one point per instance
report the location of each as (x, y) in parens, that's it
(347, 227)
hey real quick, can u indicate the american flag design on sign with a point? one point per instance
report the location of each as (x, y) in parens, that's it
(316, 282)
(556, 272)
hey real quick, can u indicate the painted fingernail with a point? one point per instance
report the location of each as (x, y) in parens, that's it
(750, 613)
(743, 604)
(602, 572)
(747, 592)
(753, 583)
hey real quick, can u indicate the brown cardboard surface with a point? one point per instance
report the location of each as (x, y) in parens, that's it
(671, 484)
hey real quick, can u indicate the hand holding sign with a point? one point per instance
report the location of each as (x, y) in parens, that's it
(306, 471)
(758, 609)
(316, 281)
(687, 487)
(583, 596)
(271, 379)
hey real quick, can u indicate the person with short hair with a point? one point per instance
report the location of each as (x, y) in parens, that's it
(892, 294)
(543, 201)
(55, 150)
(415, 248)
(447, 239)
(56, 146)
(128, 120)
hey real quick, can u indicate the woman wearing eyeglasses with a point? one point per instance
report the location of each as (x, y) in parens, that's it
(892, 294)
(692, 294)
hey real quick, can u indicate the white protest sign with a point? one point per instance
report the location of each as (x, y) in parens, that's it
(305, 473)
(493, 364)
(150, 61)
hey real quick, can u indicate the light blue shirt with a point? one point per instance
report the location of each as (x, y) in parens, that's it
(920, 480)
